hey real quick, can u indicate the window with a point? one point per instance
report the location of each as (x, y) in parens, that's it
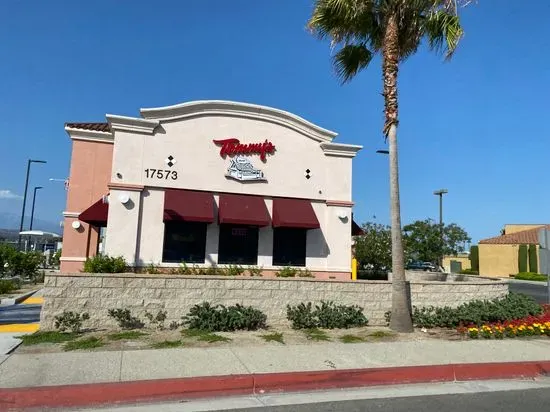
(289, 246)
(238, 245)
(184, 242)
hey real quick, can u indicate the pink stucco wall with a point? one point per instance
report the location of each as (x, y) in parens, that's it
(89, 176)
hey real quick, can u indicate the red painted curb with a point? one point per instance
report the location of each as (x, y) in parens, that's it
(219, 386)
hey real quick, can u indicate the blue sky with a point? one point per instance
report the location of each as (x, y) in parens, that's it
(475, 126)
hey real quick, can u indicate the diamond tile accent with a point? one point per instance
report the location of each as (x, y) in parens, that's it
(307, 174)
(170, 161)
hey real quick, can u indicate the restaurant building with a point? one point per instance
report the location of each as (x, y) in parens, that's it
(210, 183)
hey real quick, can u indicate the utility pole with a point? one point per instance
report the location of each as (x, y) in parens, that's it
(33, 202)
(25, 198)
(440, 193)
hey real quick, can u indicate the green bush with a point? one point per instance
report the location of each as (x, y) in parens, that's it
(533, 260)
(7, 254)
(478, 312)
(219, 318)
(469, 272)
(474, 258)
(7, 286)
(531, 276)
(522, 258)
(105, 264)
(70, 321)
(290, 272)
(327, 315)
(157, 320)
(125, 319)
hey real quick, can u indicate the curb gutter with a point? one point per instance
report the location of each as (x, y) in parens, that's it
(18, 299)
(255, 384)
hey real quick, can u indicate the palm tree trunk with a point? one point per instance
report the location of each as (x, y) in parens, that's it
(401, 320)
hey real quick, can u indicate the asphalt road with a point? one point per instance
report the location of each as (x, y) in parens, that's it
(509, 401)
(19, 314)
(536, 291)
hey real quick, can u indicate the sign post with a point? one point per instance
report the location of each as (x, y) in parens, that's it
(544, 258)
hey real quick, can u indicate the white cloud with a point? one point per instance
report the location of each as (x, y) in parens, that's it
(8, 194)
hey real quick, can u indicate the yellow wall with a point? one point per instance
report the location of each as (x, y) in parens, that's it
(508, 229)
(498, 260)
(464, 259)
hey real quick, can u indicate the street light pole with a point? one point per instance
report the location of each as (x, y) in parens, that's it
(440, 193)
(33, 202)
(25, 198)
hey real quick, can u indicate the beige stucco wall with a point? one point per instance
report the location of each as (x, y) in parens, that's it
(200, 167)
(498, 260)
(463, 259)
(90, 173)
(96, 293)
(514, 228)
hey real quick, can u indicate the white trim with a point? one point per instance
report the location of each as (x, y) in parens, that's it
(72, 259)
(90, 135)
(132, 124)
(238, 109)
(340, 149)
(71, 214)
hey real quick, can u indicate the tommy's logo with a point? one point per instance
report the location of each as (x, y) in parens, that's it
(233, 147)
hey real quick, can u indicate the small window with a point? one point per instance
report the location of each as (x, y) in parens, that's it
(238, 245)
(184, 242)
(289, 246)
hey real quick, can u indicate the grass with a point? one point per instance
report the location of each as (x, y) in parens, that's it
(47, 337)
(316, 335)
(204, 336)
(351, 339)
(88, 343)
(273, 337)
(167, 344)
(381, 334)
(128, 335)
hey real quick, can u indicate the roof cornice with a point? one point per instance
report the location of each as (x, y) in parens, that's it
(237, 109)
(132, 124)
(340, 149)
(90, 135)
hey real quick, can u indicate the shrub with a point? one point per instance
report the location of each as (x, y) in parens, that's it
(152, 269)
(513, 306)
(531, 276)
(287, 272)
(219, 318)
(522, 258)
(7, 254)
(305, 274)
(327, 315)
(469, 272)
(156, 320)
(7, 286)
(533, 260)
(474, 258)
(125, 319)
(255, 271)
(105, 264)
(70, 321)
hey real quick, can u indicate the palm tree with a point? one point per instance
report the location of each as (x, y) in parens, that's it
(393, 29)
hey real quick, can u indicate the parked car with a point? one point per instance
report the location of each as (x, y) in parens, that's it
(425, 266)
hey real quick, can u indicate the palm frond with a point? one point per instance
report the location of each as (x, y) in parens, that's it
(351, 59)
(443, 31)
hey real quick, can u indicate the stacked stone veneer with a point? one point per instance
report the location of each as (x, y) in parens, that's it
(96, 293)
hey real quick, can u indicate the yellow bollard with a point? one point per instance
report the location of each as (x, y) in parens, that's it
(353, 269)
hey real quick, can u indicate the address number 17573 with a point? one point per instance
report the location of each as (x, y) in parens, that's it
(161, 174)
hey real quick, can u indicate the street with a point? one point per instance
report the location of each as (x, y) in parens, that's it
(16, 314)
(537, 291)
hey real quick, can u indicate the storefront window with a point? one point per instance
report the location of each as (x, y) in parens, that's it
(289, 246)
(184, 242)
(238, 245)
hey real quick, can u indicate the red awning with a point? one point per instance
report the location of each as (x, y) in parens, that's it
(243, 210)
(296, 213)
(96, 214)
(188, 205)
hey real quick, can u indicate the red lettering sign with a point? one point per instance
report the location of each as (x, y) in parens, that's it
(232, 147)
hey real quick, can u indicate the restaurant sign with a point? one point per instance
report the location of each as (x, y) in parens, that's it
(240, 167)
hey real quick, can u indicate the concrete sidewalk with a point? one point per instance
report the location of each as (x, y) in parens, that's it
(50, 369)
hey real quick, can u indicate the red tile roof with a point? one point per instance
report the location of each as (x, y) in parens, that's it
(525, 237)
(98, 127)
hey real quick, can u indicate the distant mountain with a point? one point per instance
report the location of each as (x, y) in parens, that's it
(12, 221)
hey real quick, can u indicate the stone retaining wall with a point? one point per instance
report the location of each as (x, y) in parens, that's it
(96, 293)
